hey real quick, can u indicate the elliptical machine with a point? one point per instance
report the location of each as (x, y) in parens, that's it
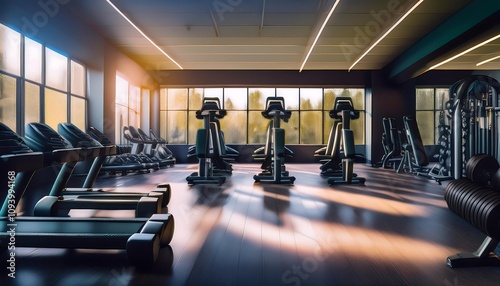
(344, 112)
(274, 161)
(208, 144)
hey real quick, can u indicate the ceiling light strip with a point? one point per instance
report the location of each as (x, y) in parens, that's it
(386, 33)
(465, 52)
(142, 33)
(216, 27)
(319, 33)
(488, 60)
(261, 27)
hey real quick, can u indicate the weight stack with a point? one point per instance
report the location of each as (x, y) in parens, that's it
(478, 205)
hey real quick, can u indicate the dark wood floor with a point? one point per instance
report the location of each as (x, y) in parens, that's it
(395, 230)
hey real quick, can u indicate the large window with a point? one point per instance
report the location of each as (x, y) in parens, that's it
(244, 124)
(430, 104)
(127, 107)
(48, 87)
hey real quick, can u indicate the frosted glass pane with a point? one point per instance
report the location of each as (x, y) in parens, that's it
(311, 98)
(134, 98)
(121, 91)
(78, 112)
(257, 97)
(257, 127)
(31, 103)
(195, 98)
(134, 106)
(234, 127)
(8, 92)
(358, 97)
(329, 99)
(291, 129)
(358, 128)
(425, 99)
(291, 96)
(56, 70)
(442, 96)
(77, 79)
(133, 119)
(56, 108)
(193, 126)
(33, 60)
(235, 98)
(10, 50)
(311, 127)
(214, 92)
(163, 124)
(425, 122)
(177, 127)
(177, 99)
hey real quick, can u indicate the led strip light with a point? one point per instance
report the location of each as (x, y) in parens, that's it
(142, 33)
(465, 52)
(319, 34)
(386, 33)
(487, 61)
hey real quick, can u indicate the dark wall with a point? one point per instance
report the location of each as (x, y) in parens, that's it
(388, 100)
(275, 78)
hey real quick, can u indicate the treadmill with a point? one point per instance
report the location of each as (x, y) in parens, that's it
(42, 138)
(140, 237)
(123, 162)
(78, 138)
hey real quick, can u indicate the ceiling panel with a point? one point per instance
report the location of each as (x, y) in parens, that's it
(202, 34)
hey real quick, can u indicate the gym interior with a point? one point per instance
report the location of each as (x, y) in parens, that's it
(237, 142)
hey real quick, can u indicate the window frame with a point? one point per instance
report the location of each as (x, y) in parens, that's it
(251, 111)
(21, 81)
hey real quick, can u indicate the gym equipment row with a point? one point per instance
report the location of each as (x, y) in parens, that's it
(476, 199)
(41, 138)
(77, 138)
(210, 149)
(140, 237)
(391, 141)
(338, 156)
(144, 145)
(406, 153)
(273, 166)
(468, 125)
(214, 160)
(123, 162)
